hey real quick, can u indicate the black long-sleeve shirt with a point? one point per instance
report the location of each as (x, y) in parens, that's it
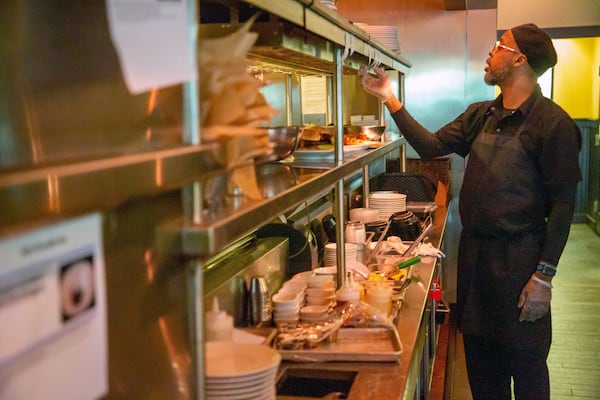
(551, 138)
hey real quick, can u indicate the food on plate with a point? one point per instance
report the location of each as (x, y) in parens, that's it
(355, 139)
(315, 137)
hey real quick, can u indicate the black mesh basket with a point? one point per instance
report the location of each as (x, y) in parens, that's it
(417, 187)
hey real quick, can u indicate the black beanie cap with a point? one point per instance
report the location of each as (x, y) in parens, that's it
(536, 45)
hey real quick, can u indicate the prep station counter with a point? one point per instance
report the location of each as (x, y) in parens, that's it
(409, 378)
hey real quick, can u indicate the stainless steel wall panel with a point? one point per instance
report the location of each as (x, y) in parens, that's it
(447, 50)
(62, 95)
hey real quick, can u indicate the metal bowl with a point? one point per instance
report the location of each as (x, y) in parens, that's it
(283, 141)
(373, 132)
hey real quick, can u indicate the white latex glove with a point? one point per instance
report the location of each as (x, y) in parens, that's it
(378, 85)
(534, 300)
(427, 249)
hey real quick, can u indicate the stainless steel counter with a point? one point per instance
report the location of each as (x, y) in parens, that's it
(393, 380)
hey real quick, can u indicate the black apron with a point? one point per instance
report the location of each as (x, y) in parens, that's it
(502, 209)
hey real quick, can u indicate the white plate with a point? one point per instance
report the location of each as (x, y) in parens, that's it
(239, 380)
(239, 389)
(268, 393)
(320, 155)
(387, 195)
(231, 359)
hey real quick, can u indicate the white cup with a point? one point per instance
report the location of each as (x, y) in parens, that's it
(355, 232)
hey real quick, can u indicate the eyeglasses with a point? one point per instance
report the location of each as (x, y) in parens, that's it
(499, 46)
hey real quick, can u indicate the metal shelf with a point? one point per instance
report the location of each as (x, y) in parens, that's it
(43, 195)
(220, 228)
(313, 18)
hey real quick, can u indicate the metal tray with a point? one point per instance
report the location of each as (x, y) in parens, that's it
(353, 344)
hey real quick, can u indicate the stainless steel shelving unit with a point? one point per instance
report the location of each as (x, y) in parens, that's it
(219, 228)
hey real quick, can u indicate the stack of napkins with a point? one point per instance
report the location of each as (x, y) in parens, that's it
(232, 107)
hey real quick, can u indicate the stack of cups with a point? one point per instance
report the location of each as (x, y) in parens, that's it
(288, 301)
(356, 233)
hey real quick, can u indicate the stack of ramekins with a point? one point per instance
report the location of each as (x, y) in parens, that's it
(288, 301)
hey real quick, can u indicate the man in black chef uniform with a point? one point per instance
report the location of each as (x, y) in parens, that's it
(516, 207)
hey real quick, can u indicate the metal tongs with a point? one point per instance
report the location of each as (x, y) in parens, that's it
(375, 250)
(418, 240)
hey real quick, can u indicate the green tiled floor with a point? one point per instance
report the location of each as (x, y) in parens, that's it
(574, 359)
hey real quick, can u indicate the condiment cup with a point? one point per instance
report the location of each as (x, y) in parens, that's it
(303, 276)
(283, 314)
(286, 319)
(320, 300)
(296, 285)
(291, 292)
(284, 298)
(320, 292)
(288, 307)
(314, 312)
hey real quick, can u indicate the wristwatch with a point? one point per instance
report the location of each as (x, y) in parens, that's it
(547, 268)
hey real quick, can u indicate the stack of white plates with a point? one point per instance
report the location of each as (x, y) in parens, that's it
(329, 3)
(330, 254)
(388, 35)
(387, 203)
(240, 371)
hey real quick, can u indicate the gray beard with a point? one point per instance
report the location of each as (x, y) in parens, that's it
(497, 76)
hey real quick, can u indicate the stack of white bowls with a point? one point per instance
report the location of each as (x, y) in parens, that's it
(387, 203)
(330, 4)
(364, 215)
(320, 291)
(288, 301)
(237, 371)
